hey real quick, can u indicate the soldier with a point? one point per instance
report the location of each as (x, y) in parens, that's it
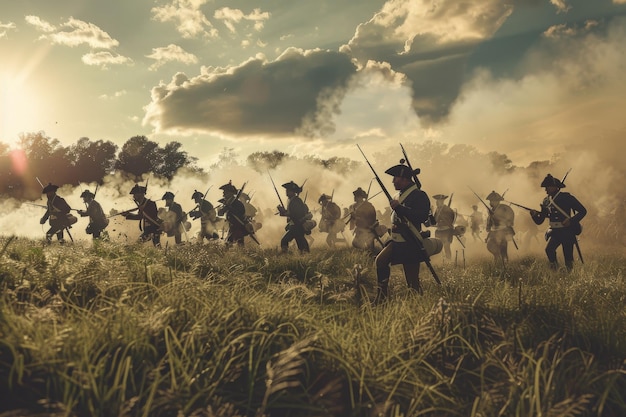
(476, 222)
(363, 221)
(58, 213)
(251, 211)
(297, 214)
(149, 222)
(174, 218)
(444, 217)
(235, 213)
(413, 204)
(97, 219)
(208, 217)
(564, 227)
(499, 227)
(330, 221)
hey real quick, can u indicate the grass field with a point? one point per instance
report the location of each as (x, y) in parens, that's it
(129, 330)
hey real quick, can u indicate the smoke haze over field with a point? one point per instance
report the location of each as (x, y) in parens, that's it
(445, 170)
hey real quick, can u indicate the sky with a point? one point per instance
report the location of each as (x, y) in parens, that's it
(527, 78)
(532, 79)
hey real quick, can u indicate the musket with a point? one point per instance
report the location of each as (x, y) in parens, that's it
(408, 163)
(580, 254)
(413, 234)
(520, 206)
(226, 207)
(275, 189)
(450, 200)
(121, 213)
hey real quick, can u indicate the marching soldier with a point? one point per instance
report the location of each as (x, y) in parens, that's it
(97, 219)
(174, 218)
(444, 217)
(330, 221)
(363, 221)
(564, 212)
(499, 227)
(58, 214)
(149, 222)
(235, 213)
(208, 217)
(297, 214)
(413, 204)
(476, 222)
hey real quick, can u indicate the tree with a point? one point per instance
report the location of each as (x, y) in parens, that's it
(138, 156)
(262, 161)
(171, 159)
(92, 160)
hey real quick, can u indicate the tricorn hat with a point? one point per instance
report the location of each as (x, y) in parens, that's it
(440, 197)
(402, 171)
(229, 188)
(168, 196)
(493, 196)
(359, 192)
(87, 194)
(50, 188)
(550, 181)
(138, 189)
(293, 187)
(323, 197)
(196, 194)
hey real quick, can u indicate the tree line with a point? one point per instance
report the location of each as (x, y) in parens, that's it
(41, 157)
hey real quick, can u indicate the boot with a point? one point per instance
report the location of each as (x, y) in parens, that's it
(554, 265)
(414, 284)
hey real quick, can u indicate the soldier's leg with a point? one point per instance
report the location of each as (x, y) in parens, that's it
(303, 244)
(284, 241)
(553, 243)
(383, 272)
(412, 276)
(568, 253)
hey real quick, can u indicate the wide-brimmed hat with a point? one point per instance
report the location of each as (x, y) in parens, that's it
(229, 188)
(292, 186)
(323, 197)
(550, 181)
(493, 196)
(87, 194)
(440, 197)
(168, 196)
(359, 192)
(50, 188)
(138, 189)
(196, 194)
(402, 171)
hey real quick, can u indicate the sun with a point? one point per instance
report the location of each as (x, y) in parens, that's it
(19, 107)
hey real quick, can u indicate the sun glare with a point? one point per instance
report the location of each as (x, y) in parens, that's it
(18, 108)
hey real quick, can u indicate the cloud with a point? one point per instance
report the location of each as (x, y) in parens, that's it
(40, 24)
(430, 43)
(83, 33)
(105, 58)
(189, 19)
(561, 6)
(170, 53)
(230, 17)
(258, 97)
(4, 27)
(116, 94)
(569, 100)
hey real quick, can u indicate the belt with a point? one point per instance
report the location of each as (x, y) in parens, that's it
(556, 225)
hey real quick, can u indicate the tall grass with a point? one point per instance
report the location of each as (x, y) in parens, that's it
(129, 330)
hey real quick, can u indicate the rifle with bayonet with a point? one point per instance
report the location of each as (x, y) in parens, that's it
(411, 233)
(280, 200)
